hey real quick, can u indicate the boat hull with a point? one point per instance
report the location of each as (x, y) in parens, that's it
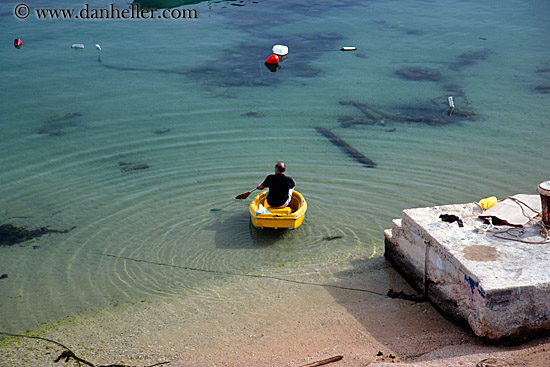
(278, 218)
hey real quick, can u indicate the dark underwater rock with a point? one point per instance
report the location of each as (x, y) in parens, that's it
(63, 118)
(469, 58)
(247, 70)
(253, 114)
(160, 132)
(352, 122)
(60, 124)
(419, 74)
(11, 235)
(136, 167)
(543, 89)
(332, 237)
(431, 113)
(345, 147)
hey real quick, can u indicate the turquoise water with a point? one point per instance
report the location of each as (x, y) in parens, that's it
(192, 100)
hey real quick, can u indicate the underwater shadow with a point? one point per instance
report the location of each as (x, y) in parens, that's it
(235, 231)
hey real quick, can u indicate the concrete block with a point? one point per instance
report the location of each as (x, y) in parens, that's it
(501, 288)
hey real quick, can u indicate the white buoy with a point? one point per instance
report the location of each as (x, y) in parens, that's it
(451, 105)
(280, 50)
(77, 46)
(451, 102)
(98, 47)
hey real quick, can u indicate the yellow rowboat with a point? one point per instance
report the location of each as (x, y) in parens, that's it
(290, 217)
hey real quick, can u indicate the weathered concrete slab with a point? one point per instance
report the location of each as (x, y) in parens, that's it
(501, 288)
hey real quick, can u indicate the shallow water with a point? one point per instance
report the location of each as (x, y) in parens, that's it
(193, 101)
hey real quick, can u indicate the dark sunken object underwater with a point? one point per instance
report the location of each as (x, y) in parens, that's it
(346, 148)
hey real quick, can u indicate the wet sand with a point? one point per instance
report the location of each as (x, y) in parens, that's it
(265, 321)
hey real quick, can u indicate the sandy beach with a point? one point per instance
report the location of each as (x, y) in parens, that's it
(277, 320)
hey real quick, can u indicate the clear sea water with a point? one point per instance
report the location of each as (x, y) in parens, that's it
(193, 100)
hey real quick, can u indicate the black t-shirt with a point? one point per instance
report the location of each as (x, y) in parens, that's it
(278, 184)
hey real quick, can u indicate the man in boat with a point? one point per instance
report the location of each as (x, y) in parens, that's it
(279, 187)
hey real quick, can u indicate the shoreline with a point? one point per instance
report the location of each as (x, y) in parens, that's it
(267, 321)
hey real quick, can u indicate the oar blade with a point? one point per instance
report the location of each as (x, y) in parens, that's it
(242, 196)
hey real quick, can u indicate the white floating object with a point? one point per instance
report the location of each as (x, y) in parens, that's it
(348, 48)
(280, 50)
(451, 102)
(98, 46)
(451, 105)
(77, 45)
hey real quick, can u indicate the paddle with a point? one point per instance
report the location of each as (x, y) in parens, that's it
(244, 196)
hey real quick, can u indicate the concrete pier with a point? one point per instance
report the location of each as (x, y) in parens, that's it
(501, 288)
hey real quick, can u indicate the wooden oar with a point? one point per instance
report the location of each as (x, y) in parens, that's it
(245, 195)
(323, 362)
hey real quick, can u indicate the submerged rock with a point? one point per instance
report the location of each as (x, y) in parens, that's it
(419, 74)
(543, 89)
(63, 118)
(135, 167)
(253, 114)
(160, 132)
(429, 113)
(345, 147)
(11, 235)
(470, 58)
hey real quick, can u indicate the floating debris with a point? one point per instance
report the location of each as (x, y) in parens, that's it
(419, 74)
(135, 167)
(10, 234)
(345, 147)
(3, 276)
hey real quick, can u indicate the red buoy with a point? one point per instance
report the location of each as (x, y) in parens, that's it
(17, 43)
(272, 63)
(273, 59)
